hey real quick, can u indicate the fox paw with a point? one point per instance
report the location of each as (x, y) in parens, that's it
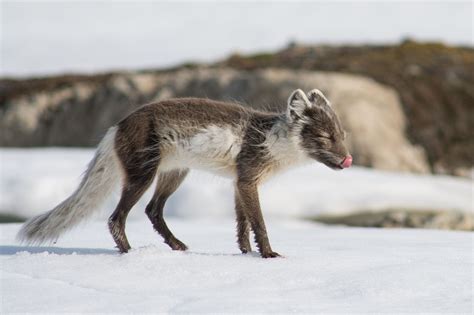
(270, 255)
(177, 245)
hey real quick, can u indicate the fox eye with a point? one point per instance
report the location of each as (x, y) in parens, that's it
(326, 138)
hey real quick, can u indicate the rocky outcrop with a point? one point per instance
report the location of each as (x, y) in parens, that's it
(78, 114)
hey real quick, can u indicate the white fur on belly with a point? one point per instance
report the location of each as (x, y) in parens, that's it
(213, 149)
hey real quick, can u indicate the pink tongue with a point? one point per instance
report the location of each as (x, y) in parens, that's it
(347, 162)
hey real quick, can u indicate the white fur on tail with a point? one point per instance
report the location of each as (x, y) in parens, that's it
(99, 180)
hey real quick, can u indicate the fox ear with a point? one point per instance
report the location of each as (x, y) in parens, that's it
(317, 98)
(297, 103)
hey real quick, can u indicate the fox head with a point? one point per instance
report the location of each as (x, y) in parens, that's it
(317, 129)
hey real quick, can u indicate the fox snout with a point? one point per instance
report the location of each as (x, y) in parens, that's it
(347, 162)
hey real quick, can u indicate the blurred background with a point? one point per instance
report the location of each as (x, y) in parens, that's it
(400, 74)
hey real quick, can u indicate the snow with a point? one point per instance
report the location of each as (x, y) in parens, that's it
(35, 180)
(325, 269)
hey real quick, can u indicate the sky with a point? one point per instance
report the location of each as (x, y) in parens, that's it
(42, 38)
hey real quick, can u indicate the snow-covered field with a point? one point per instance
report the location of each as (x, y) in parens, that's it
(325, 269)
(35, 180)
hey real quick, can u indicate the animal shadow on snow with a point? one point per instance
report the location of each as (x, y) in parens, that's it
(12, 250)
(250, 254)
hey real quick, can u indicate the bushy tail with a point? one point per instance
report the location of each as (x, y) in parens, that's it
(98, 182)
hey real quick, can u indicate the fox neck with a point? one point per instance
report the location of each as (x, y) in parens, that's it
(283, 143)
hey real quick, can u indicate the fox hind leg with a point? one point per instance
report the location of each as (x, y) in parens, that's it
(166, 185)
(137, 147)
(131, 193)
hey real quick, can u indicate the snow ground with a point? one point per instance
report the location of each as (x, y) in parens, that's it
(325, 269)
(35, 180)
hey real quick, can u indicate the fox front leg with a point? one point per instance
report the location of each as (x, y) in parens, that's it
(243, 227)
(247, 193)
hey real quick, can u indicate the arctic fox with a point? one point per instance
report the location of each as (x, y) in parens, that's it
(168, 138)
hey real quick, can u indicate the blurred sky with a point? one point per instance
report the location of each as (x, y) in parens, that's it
(39, 38)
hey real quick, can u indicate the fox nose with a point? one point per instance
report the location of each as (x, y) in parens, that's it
(347, 162)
